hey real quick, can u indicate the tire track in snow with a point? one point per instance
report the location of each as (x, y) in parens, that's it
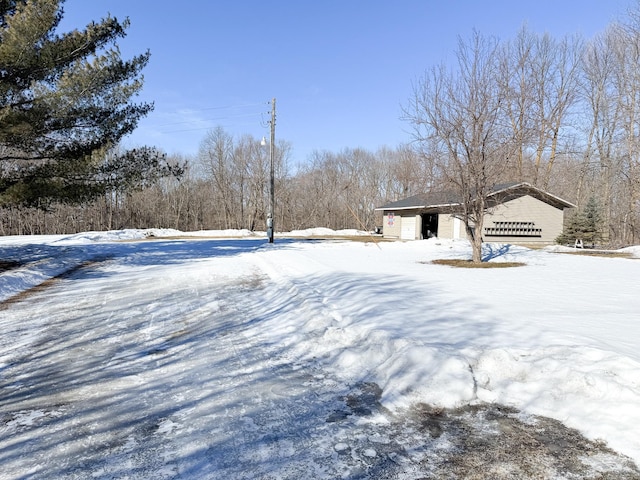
(48, 282)
(224, 399)
(313, 298)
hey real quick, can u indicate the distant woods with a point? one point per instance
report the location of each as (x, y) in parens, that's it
(66, 100)
(562, 114)
(226, 186)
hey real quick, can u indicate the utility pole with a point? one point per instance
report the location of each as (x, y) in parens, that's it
(272, 202)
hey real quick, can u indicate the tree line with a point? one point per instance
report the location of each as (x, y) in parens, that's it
(66, 101)
(226, 186)
(562, 114)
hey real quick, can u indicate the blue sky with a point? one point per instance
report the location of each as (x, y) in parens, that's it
(339, 69)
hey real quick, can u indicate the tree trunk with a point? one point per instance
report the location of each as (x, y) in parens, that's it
(476, 246)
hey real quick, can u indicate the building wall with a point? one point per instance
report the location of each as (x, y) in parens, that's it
(395, 225)
(450, 227)
(546, 218)
(411, 227)
(526, 209)
(391, 224)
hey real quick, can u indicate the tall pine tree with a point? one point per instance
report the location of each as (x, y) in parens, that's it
(584, 225)
(65, 99)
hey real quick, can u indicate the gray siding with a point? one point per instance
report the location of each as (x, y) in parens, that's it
(395, 228)
(446, 226)
(545, 219)
(526, 209)
(391, 229)
(411, 227)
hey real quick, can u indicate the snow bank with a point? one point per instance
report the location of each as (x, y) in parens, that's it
(558, 337)
(134, 234)
(325, 232)
(593, 390)
(635, 251)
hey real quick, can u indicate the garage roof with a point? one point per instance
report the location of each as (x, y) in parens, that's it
(449, 199)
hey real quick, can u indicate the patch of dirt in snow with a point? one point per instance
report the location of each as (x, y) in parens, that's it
(8, 265)
(498, 442)
(475, 442)
(199, 393)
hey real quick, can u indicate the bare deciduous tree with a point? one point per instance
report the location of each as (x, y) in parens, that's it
(540, 76)
(600, 167)
(629, 95)
(457, 115)
(216, 156)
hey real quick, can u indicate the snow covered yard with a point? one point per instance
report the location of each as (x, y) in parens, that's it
(232, 358)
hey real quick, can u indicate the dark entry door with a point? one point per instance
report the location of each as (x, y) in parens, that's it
(429, 225)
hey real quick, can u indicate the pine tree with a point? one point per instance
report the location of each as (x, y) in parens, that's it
(65, 100)
(592, 222)
(584, 225)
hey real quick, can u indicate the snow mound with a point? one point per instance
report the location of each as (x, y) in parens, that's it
(325, 232)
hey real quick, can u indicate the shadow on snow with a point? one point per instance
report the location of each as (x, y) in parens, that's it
(178, 383)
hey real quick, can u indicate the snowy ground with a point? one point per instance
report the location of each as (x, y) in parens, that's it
(232, 358)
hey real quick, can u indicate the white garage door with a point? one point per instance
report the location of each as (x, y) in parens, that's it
(456, 228)
(408, 229)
